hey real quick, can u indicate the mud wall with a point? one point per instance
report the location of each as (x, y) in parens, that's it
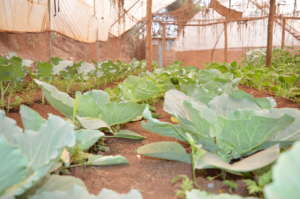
(200, 58)
(42, 46)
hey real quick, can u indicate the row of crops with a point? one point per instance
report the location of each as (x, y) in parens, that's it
(16, 75)
(217, 125)
(281, 79)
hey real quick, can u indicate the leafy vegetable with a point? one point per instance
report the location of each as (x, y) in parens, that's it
(85, 139)
(37, 151)
(285, 180)
(285, 176)
(282, 78)
(230, 127)
(61, 187)
(94, 109)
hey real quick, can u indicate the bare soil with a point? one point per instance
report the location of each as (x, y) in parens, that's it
(151, 176)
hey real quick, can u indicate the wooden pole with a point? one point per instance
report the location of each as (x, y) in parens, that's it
(164, 44)
(149, 35)
(270, 32)
(283, 33)
(225, 43)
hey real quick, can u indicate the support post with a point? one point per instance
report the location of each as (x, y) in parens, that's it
(283, 33)
(272, 12)
(225, 42)
(149, 35)
(164, 44)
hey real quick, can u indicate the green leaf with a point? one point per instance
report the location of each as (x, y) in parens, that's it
(11, 70)
(59, 100)
(99, 160)
(46, 144)
(119, 113)
(62, 187)
(292, 132)
(253, 162)
(226, 104)
(31, 119)
(264, 103)
(41, 148)
(128, 135)
(85, 138)
(9, 129)
(92, 123)
(173, 103)
(138, 89)
(44, 70)
(90, 102)
(240, 136)
(13, 167)
(285, 176)
(165, 150)
(161, 128)
(94, 109)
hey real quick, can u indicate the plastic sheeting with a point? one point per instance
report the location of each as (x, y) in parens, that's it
(240, 34)
(83, 20)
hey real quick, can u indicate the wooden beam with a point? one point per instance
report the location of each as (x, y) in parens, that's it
(164, 44)
(149, 35)
(225, 42)
(272, 12)
(283, 33)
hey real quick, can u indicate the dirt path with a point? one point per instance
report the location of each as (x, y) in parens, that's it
(151, 176)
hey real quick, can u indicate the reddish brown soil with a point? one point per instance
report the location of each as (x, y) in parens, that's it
(151, 176)
(42, 109)
(281, 102)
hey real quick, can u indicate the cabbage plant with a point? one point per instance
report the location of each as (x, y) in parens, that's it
(85, 139)
(285, 180)
(233, 131)
(92, 109)
(29, 155)
(62, 187)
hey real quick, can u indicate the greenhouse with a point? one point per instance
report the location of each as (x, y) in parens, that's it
(148, 99)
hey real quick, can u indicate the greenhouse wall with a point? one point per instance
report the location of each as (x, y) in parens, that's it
(42, 46)
(198, 45)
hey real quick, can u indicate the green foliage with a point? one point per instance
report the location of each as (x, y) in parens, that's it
(37, 151)
(257, 186)
(62, 187)
(285, 176)
(230, 184)
(186, 185)
(230, 127)
(16, 86)
(44, 70)
(93, 109)
(12, 73)
(282, 78)
(150, 86)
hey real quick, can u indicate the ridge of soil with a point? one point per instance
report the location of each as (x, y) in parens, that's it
(150, 176)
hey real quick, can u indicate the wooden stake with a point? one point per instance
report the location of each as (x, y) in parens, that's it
(225, 43)
(283, 33)
(164, 45)
(149, 35)
(272, 12)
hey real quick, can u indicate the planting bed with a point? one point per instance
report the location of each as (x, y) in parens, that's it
(149, 175)
(168, 133)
